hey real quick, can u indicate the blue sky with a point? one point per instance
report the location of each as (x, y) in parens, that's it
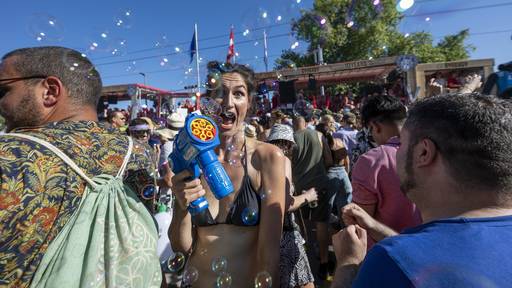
(155, 30)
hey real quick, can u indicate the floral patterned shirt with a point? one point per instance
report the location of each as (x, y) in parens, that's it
(364, 142)
(39, 192)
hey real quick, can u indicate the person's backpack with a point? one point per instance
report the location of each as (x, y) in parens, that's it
(109, 241)
(504, 84)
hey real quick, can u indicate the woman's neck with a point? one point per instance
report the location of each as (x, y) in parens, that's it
(230, 143)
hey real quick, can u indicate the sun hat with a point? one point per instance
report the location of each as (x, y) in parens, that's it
(175, 121)
(166, 133)
(281, 132)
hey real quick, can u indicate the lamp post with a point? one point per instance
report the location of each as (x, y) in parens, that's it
(144, 75)
(320, 61)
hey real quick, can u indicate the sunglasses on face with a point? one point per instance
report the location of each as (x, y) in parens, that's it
(140, 133)
(4, 89)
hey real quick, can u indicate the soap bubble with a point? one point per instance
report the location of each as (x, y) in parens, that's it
(234, 160)
(190, 276)
(167, 106)
(224, 280)
(119, 47)
(123, 19)
(132, 67)
(291, 9)
(263, 280)
(148, 192)
(302, 107)
(214, 80)
(404, 5)
(203, 252)
(263, 19)
(284, 66)
(210, 107)
(164, 60)
(162, 42)
(219, 264)
(253, 22)
(73, 64)
(176, 263)
(180, 58)
(287, 64)
(45, 28)
(99, 40)
(250, 216)
(265, 194)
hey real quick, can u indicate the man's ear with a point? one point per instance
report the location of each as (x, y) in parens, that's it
(425, 152)
(53, 91)
(375, 127)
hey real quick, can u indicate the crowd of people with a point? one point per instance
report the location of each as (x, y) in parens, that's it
(406, 196)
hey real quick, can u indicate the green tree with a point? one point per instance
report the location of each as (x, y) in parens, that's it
(354, 30)
(453, 47)
(290, 57)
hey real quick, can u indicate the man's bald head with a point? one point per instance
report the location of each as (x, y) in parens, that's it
(299, 123)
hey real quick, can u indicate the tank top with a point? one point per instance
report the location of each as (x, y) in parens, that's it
(308, 167)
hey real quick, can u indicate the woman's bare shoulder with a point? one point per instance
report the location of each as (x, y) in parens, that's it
(264, 153)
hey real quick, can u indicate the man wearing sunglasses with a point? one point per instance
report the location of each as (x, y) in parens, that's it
(51, 93)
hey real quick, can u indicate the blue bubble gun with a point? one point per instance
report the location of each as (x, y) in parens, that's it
(193, 149)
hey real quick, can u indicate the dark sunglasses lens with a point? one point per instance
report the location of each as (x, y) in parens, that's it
(140, 133)
(3, 91)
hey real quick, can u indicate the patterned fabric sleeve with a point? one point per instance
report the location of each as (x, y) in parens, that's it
(39, 193)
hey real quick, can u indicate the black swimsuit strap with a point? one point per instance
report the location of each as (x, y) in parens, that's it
(245, 158)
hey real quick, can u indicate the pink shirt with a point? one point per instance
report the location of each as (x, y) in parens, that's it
(375, 181)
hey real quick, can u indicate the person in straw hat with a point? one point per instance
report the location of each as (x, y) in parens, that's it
(175, 122)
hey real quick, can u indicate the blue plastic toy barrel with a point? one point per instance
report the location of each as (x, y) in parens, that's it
(215, 175)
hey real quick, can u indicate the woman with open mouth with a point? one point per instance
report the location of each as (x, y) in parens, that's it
(239, 243)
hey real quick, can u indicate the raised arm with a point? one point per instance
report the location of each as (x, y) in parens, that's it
(353, 214)
(350, 249)
(294, 202)
(270, 162)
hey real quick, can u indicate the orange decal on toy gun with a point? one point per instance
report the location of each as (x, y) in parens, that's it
(203, 129)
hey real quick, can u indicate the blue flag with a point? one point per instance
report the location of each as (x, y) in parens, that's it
(193, 47)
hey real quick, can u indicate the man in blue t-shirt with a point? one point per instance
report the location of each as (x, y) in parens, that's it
(454, 163)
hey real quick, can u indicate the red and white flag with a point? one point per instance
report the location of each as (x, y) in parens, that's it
(231, 50)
